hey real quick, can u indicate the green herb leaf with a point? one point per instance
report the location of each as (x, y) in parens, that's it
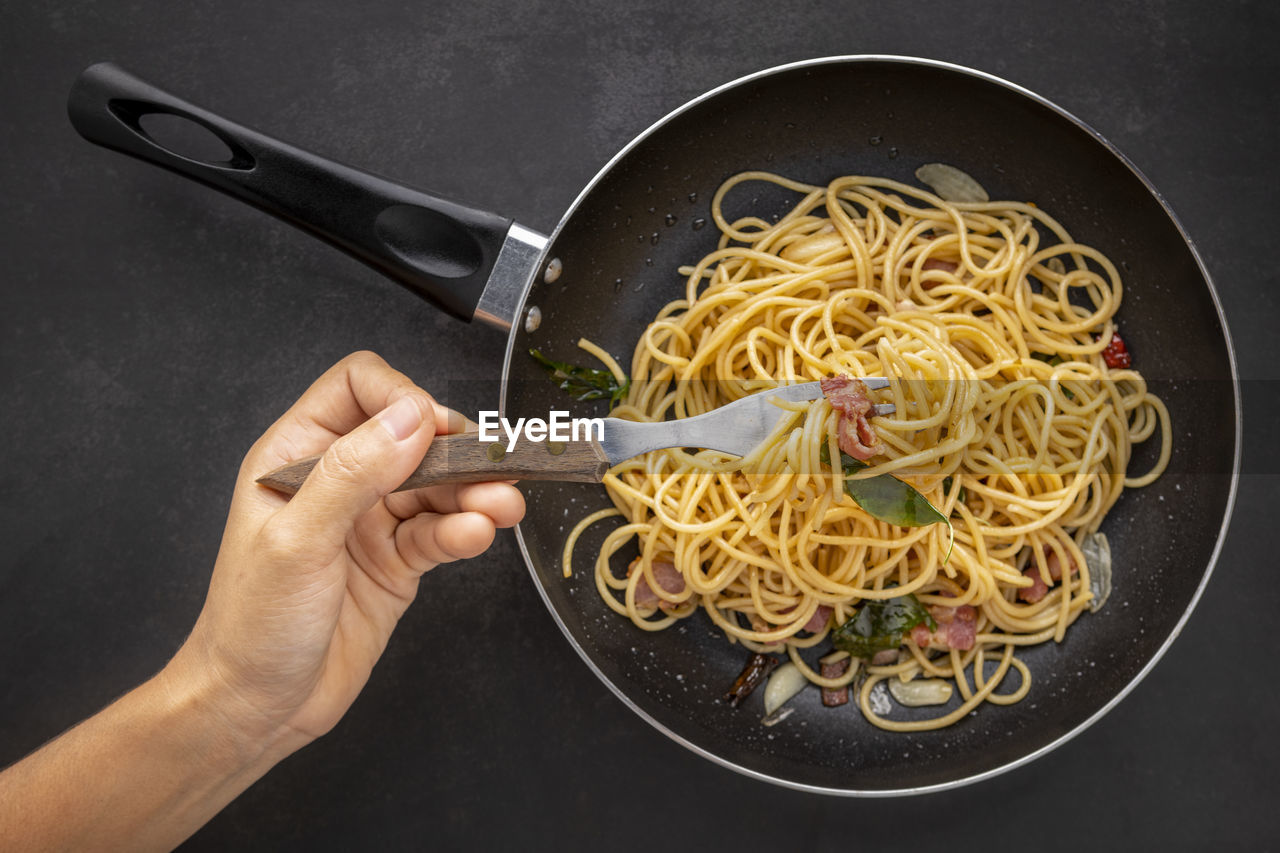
(879, 625)
(889, 499)
(584, 383)
(946, 487)
(886, 497)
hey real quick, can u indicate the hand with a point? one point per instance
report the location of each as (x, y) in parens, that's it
(305, 594)
(306, 591)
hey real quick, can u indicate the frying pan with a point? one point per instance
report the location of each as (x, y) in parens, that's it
(616, 252)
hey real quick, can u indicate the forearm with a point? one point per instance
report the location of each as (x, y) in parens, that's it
(143, 774)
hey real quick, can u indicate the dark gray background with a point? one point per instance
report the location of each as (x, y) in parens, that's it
(152, 329)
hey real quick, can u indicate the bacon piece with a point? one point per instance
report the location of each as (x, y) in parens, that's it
(888, 656)
(851, 399)
(961, 625)
(833, 697)
(921, 635)
(1116, 354)
(957, 628)
(667, 576)
(936, 264)
(1054, 566)
(1039, 589)
(818, 620)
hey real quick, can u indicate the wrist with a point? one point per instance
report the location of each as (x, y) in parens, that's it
(144, 773)
(205, 711)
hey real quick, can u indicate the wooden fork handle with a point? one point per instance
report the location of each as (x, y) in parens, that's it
(463, 458)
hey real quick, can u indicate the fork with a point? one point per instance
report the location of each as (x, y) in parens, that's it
(587, 453)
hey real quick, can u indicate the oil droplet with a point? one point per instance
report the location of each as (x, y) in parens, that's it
(875, 140)
(655, 238)
(648, 262)
(653, 210)
(893, 153)
(693, 198)
(617, 285)
(791, 125)
(699, 224)
(670, 219)
(639, 238)
(639, 287)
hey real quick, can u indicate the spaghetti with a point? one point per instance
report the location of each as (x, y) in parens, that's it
(990, 323)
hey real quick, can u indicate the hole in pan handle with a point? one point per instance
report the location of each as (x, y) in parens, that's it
(441, 250)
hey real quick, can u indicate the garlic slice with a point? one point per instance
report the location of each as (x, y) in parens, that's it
(1097, 556)
(951, 184)
(924, 691)
(786, 681)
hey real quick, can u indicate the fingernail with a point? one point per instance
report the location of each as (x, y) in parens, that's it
(459, 422)
(402, 418)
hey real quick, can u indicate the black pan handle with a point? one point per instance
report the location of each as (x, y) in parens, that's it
(437, 248)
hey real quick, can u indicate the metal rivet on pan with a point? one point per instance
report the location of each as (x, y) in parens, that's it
(532, 319)
(495, 452)
(553, 270)
(555, 448)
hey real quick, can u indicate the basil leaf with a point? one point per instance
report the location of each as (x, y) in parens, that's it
(879, 625)
(886, 497)
(889, 499)
(584, 383)
(946, 487)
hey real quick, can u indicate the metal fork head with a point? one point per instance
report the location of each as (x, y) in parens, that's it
(735, 428)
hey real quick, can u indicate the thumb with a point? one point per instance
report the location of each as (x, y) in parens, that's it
(363, 466)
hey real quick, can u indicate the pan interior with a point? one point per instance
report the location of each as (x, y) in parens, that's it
(648, 213)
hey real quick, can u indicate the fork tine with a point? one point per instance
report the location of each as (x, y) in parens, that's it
(737, 427)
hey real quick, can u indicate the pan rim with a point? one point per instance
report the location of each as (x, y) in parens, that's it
(1228, 509)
